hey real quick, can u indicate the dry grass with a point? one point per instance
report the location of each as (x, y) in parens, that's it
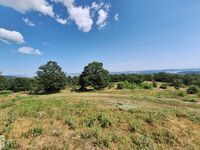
(108, 119)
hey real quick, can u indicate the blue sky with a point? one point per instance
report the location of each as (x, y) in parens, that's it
(125, 35)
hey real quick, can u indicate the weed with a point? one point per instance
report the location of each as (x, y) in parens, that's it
(35, 132)
(90, 122)
(135, 125)
(149, 119)
(71, 123)
(104, 121)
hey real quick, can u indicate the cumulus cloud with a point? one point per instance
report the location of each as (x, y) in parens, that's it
(83, 16)
(28, 22)
(25, 6)
(116, 17)
(79, 14)
(29, 51)
(11, 36)
(101, 21)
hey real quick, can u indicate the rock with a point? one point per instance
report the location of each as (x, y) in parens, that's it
(2, 141)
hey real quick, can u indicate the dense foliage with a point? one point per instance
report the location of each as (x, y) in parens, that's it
(50, 78)
(193, 89)
(94, 75)
(20, 84)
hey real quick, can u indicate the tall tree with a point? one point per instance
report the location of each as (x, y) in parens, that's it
(94, 75)
(50, 78)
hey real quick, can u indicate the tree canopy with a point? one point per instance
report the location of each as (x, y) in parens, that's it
(94, 75)
(50, 78)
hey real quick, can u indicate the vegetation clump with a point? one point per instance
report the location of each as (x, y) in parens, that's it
(193, 89)
(50, 78)
(94, 75)
(164, 86)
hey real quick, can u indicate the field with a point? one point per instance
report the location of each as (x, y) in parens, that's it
(108, 119)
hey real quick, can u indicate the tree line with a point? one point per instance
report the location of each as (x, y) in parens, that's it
(50, 78)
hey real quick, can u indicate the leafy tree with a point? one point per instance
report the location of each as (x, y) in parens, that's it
(94, 75)
(50, 78)
(20, 84)
(3, 83)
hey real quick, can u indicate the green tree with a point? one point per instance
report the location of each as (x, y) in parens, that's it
(50, 78)
(94, 75)
(20, 84)
(3, 83)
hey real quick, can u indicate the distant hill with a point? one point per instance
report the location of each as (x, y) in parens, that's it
(172, 71)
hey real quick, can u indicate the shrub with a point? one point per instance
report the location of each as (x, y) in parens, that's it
(5, 92)
(89, 122)
(146, 86)
(181, 94)
(90, 133)
(154, 84)
(104, 121)
(135, 125)
(127, 85)
(71, 123)
(193, 89)
(35, 132)
(164, 86)
(120, 86)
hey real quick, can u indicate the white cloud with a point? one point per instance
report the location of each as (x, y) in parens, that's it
(28, 22)
(79, 14)
(116, 17)
(61, 21)
(29, 51)
(11, 36)
(101, 21)
(96, 6)
(25, 6)
(83, 16)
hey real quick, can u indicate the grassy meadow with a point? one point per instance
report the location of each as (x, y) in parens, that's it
(107, 119)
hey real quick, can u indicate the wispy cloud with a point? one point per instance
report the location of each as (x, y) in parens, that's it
(116, 17)
(28, 22)
(29, 51)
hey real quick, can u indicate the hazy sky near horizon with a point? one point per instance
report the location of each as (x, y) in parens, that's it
(125, 35)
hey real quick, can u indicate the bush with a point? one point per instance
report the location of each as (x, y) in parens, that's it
(126, 85)
(35, 132)
(5, 92)
(104, 121)
(146, 86)
(193, 89)
(154, 84)
(164, 86)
